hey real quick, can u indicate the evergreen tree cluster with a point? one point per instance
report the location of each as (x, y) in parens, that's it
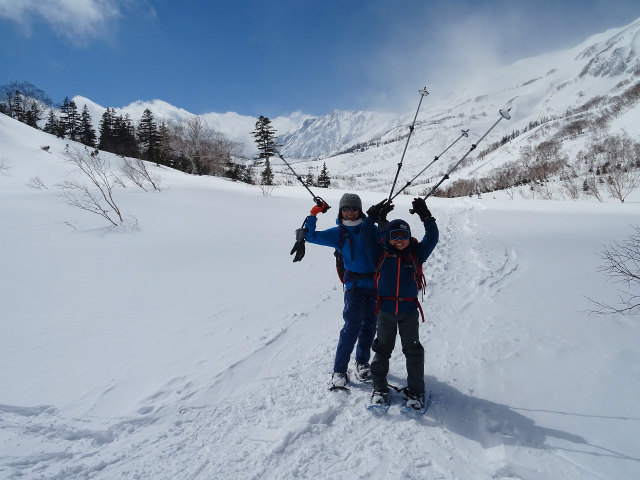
(22, 108)
(323, 180)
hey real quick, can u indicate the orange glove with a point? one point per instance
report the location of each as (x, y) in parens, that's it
(319, 209)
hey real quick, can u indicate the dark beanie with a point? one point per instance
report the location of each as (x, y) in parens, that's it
(350, 200)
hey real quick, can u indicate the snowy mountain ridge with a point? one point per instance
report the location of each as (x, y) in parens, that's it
(568, 98)
(320, 136)
(535, 87)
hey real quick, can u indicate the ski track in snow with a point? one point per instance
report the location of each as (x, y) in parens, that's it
(286, 424)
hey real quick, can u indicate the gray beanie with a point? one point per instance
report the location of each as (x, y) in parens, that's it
(350, 200)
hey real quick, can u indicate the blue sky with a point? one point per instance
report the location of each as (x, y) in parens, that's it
(273, 57)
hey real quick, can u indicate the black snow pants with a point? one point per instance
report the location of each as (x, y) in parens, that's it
(388, 327)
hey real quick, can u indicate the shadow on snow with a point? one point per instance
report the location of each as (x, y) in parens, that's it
(492, 424)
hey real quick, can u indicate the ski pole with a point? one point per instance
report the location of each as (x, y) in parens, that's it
(503, 114)
(465, 133)
(298, 249)
(319, 201)
(422, 93)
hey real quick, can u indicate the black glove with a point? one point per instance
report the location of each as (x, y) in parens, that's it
(378, 212)
(420, 207)
(298, 247)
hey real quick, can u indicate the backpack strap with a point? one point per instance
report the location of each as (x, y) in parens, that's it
(338, 254)
(420, 279)
(345, 275)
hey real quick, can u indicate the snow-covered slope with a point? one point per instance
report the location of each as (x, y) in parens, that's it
(335, 131)
(575, 84)
(195, 348)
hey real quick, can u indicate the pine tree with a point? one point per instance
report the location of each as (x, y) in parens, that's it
(148, 137)
(309, 180)
(33, 114)
(165, 153)
(73, 122)
(87, 135)
(69, 119)
(52, 123)
(16, 106)
(266, 177)
(265, 137)
(324, 180)
(124, 133)
(107, 131)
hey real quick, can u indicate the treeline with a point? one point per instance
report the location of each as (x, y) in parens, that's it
(189, 145)
(608, 165)
(24, 109)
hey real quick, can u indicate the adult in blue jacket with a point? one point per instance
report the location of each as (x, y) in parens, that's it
(355, 239)
(398, 282)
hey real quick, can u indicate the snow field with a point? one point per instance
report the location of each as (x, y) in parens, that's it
(195, 348)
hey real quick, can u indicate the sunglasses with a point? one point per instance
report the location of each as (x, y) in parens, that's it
(399, 235)
(349, 209)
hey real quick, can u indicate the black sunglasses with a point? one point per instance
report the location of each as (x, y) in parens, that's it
(350, 209)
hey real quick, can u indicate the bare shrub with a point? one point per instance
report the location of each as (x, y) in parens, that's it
(543, 190)
(37, 183)
(622, 265)
(136, 171)
(571, 187)
(5, 166)
(624, 176)
(206, 151)
(591, 186)
(266, 190)
(622, 181)
(97, 197)
(510, 191)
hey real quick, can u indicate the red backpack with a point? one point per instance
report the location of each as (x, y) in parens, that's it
(408, 254)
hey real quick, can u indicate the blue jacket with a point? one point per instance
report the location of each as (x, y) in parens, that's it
(397, 275)
(357, 245)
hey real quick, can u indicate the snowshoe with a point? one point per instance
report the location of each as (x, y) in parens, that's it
(363, 372)
(339, 381)
(415, 402)
(380, 401)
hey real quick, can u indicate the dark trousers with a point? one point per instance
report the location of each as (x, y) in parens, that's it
(359, 326)
(388, 326)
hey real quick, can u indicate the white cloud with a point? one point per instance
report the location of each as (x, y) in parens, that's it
(75, 20)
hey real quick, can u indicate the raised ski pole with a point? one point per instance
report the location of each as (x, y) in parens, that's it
(319, 201)
(503, 114)
(422, 93)
(465, 133)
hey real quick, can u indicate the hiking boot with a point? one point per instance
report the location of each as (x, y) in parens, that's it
(414, 400)
(339, 380)
(363, 372)
(379, 397)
